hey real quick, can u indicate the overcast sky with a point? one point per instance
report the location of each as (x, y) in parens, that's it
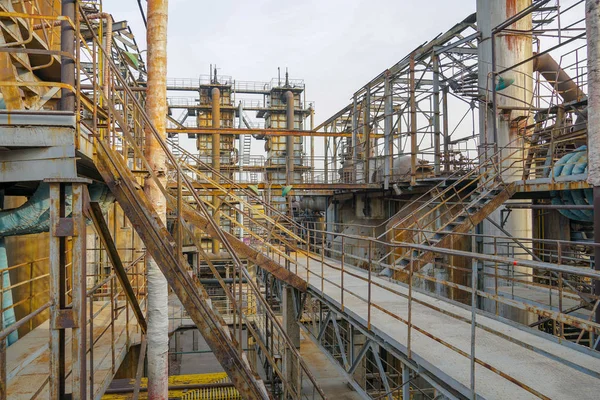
(335, 46)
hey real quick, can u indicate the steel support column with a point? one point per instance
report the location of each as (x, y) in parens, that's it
(355, 139)
(62, 315)
(446, 130)
(367, 135)
(413, 123)
(436, 114)
(405, 382)
(387, 131)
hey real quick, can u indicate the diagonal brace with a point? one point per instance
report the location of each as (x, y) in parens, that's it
(108, 243)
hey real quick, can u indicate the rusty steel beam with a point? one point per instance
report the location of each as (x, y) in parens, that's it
(262, 132)
(244, 250)
(106, 239)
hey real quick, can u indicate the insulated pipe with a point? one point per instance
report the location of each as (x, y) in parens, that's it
(216, 154)
(67, 61)
(156, 108)
(592, 25)
(34, 215)
(289, 140)
(8, 316)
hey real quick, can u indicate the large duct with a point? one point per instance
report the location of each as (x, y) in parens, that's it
(565, 87)
(562, 83)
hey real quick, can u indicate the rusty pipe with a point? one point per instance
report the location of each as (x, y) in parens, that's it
(289, 140)
(216, 154)
(156, 109)
(67, 61)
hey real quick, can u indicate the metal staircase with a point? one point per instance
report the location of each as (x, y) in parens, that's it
(445, 214)
(119, 157)
(160, 244)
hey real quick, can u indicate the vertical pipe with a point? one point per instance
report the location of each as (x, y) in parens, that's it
(242, 139)
(325, 160)
(387, 130)
(312, 142)
(156, 108)
(367, 135)
(592, 19)
(67, 64)
(216, 154)
(335, 153)
(413, 123)
(289, 140)
(436, 114)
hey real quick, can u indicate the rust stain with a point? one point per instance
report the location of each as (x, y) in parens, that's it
(512, 42)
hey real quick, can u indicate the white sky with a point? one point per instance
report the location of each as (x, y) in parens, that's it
(335, 46)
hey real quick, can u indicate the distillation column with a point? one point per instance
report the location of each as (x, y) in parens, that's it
(509, 49)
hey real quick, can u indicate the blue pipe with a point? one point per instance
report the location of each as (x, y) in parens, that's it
(8, 316)
(574, 163)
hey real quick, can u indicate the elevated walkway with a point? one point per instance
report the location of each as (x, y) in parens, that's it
(511, 362)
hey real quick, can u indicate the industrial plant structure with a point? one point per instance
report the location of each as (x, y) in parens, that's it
(432, 239)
